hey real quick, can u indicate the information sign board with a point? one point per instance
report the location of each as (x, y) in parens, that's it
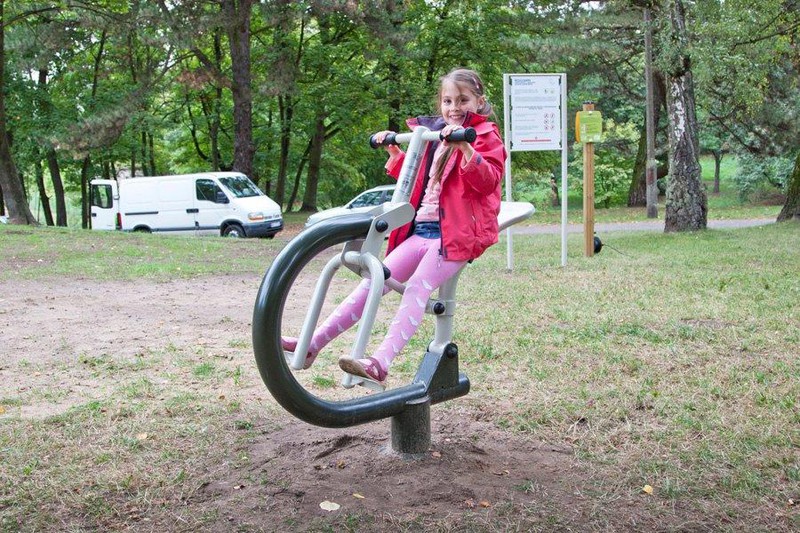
(535, 120)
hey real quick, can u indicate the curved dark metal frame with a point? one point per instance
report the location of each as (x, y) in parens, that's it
(437, 379)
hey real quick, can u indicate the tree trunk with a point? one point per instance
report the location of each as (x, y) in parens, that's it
(50, 152)
(717, 163)
(791, 209)
(86, 218)
(13, 193)
(86, 210)
(58, 187)
(686, 204)
(152, 154)
(45, 201)
(314, 165)
(298, 174)
(133, 163)
(555, 199)
(286, 111)
(637, 193)
(239, 14)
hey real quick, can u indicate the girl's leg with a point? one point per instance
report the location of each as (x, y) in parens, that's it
(401, 262)
(429, 276)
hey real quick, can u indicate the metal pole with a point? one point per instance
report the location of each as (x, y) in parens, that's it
(564, 154)
(411, 429)
(507, 137)
(588, 192)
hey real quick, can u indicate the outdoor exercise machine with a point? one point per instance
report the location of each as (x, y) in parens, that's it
(362, 235)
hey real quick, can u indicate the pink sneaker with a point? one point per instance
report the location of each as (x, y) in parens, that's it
(290, 343)
(368, 368)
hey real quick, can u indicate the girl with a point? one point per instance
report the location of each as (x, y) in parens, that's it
(457, 199)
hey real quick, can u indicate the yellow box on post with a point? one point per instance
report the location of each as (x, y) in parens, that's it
(588, 126)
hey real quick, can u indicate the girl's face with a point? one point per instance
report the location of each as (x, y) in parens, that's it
(456, 101)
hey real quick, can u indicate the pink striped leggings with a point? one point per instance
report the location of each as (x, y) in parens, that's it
(418, 263)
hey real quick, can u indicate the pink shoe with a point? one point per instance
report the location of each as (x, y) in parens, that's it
(290, 343)
(368, 368)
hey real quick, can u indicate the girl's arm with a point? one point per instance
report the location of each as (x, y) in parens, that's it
(483, 171)
(396, 155)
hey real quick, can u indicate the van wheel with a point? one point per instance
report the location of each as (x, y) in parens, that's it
(142, 229)
(234, 230)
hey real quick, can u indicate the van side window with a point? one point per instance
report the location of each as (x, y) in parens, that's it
(207, 190)
(101, 196)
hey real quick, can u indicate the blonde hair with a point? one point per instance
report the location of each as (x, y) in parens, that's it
(462, 78)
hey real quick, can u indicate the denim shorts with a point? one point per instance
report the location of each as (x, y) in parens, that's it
(428, 230)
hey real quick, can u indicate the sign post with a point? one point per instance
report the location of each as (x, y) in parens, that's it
(535, 114)
(589, 130)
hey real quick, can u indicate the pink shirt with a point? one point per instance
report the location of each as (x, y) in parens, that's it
(429, 208)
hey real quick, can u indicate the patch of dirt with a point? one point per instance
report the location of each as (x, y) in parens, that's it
(472, 470)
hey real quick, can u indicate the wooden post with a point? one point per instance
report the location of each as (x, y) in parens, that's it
(588, 192)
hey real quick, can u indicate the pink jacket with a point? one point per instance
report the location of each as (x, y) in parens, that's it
(470, 198)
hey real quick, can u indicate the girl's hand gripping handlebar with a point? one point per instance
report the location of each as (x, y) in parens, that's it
(463, 135)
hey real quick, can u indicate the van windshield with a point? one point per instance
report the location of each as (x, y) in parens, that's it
(240, 186)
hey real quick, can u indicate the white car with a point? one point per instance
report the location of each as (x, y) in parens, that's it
(361, 203)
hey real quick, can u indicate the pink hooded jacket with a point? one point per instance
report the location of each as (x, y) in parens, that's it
(470, 198)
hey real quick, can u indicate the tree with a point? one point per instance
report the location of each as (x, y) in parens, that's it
(10, 183)
(686, 205)
(791, 209)
(238, 13)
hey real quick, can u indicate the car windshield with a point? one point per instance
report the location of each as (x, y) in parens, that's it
(368, 198)
(240, 186)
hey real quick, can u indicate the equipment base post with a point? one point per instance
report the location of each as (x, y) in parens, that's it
(411, 429)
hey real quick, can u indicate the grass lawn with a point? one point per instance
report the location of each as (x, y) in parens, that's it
(723, 206)
(670, 362)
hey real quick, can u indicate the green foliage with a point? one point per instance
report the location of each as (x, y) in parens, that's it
(760, 176)
(129, 84)
(612, 163)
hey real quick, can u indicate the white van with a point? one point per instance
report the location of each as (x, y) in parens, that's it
(213, 203)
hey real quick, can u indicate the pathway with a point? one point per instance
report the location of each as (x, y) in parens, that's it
(647, 225)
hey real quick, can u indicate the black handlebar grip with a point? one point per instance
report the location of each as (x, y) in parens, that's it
(466, 135)
(389, 139)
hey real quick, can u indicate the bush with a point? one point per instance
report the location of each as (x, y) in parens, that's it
(761, 176)
(613, 164)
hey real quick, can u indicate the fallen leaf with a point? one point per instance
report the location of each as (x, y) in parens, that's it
(503, 473)
(484, 504)
(329, 506)
(2, 409)
(357, 495)
(647, 489)
(141, 436)
(340, 464)
(436, 454)
(470, 504)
